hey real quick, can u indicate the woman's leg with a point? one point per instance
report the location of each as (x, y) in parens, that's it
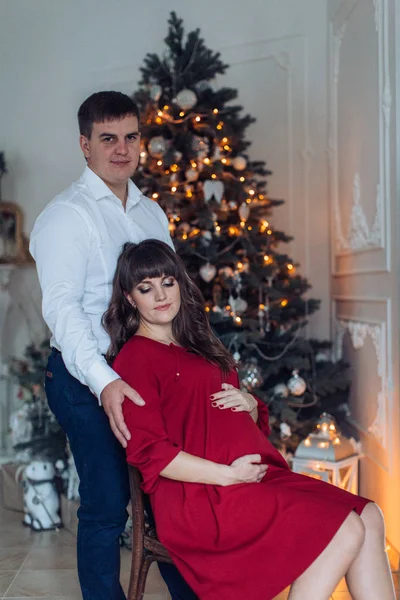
(319, 581)
(369, 576)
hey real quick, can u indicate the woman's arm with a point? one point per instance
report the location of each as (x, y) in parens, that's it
(192, 469)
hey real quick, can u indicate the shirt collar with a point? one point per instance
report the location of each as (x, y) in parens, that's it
(100, 190)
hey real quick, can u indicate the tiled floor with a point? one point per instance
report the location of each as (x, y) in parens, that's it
(42, 566)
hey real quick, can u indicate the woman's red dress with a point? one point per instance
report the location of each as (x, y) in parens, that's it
(242, 542)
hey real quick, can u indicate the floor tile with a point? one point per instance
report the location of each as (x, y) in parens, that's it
(51, 557)
(12, 558)
(44, 583)
(6, 578)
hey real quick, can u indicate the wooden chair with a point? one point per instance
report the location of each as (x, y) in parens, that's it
(145, 546)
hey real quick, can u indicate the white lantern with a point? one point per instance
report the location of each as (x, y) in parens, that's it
(328, 456)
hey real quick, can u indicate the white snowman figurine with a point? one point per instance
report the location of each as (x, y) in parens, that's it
(41, 499)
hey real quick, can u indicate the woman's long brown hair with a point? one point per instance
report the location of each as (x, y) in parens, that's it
(147, 260)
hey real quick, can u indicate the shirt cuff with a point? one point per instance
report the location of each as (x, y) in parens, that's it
(99, 375)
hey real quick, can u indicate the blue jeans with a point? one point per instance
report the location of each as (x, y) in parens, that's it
(104, 487)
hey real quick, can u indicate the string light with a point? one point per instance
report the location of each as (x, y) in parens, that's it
(215, 111)
(143, 154)
(248, 200)
(181, 114)
(193, 164)
(166, 107)
(174, 168)
(220, 125)
(160, 113)
(227, 148)
(155, 195)
(242, 223)
(266, 258)
(238, 320)
(206, 161)
(242, 179)
(184, 237)
(189, 193)
(307, 442)
(213, 176)
(249, 228)
(159, 120)
(225, 140)
(224, 161)
(290, 267)
(174, 188)
(198, 119)
(159, 163)
(284, 303)
(269, 232)
(261, 196)
(207, 309)
(251, 192)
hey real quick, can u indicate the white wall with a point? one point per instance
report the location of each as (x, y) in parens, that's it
(365, 246)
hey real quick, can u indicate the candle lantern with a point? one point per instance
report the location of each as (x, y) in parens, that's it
(329, 456)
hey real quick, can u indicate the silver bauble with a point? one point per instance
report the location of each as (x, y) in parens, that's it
(296, 384)
(186, 99)
(157, 146)
(251, 376)
(191, 175)
(244, 211)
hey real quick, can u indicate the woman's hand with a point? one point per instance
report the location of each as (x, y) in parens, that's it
(234, 399)
(246, 469)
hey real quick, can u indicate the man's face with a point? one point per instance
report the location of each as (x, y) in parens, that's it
(112, 151)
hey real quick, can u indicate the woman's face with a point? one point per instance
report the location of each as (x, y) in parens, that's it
(158, 300)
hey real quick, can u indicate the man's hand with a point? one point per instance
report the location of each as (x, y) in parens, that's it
(112, 398)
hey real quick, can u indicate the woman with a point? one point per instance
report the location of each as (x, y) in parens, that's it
(237, 522)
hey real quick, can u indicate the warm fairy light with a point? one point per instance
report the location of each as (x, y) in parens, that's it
(266, 258)
(160, 113)
(332, 427)
(242, 223)
(323, 444)
(233, 230)
(228, 307)
(159, 120)
(238, 320)
(290, 267)
(166, 107)
(181, 114)
(215, 111)
(248, 200)
(224, 140)
(264, 226)
(193, 164)
(143, 154)
(217, 228)
(213, 176)
(198, 119)
(172, 227)
(208, 309)
(220, 126)
(251, 192)
(173, 189)
(155, 195)
(261, 306)
(269, 231)
(336, 441)
(239, 265)
(159, 163)
(249, 228)
(174, 168)
(284, 303)
(242, 179)
(194, 232)
(206, 161)
(224, 161)
(189, 193)
(261, 196)
(227, 148)
(184, 237)
(307, 442)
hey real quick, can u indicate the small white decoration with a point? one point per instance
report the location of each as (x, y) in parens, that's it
(40, 496)
(281, 390)
(285, 430)
(207, 272)
(244, 211)
(213, 188)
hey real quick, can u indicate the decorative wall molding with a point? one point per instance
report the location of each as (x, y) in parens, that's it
(358, 333)
(360, 236)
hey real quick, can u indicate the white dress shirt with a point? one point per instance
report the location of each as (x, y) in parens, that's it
(76, 242)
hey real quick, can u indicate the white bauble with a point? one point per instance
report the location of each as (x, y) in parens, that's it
(155, 92)
(208, 272)
(186, 99)
(296, 384)
(239, 163)
(281, 390)
(240, 305)
(191, 175)
(285, 430)
(244, 211)
(157, 146)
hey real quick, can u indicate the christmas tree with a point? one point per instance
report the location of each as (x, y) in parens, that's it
(194, 161)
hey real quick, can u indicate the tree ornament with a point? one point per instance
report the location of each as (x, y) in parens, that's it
(250, 375)
(285, 430)
(213, 189)
(236, 356)
(239, 163)
(281, 390)
(203, 85)
(155, 92)
(157, 146)
(244, 211)
(185, 99)
(201, 145)
(191, 175)
(232, 205)
(177, 155)
(296, 384)
(207, 235)
(208, 272)
(240, 305)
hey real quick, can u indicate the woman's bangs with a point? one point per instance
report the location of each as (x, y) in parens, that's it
(153, 263)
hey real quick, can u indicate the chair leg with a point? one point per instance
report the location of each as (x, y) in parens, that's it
(136, 568)
(142, 577)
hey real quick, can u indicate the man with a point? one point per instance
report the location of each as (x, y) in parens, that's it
(76, 242)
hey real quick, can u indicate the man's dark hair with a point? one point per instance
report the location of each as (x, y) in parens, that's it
(104, 106)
